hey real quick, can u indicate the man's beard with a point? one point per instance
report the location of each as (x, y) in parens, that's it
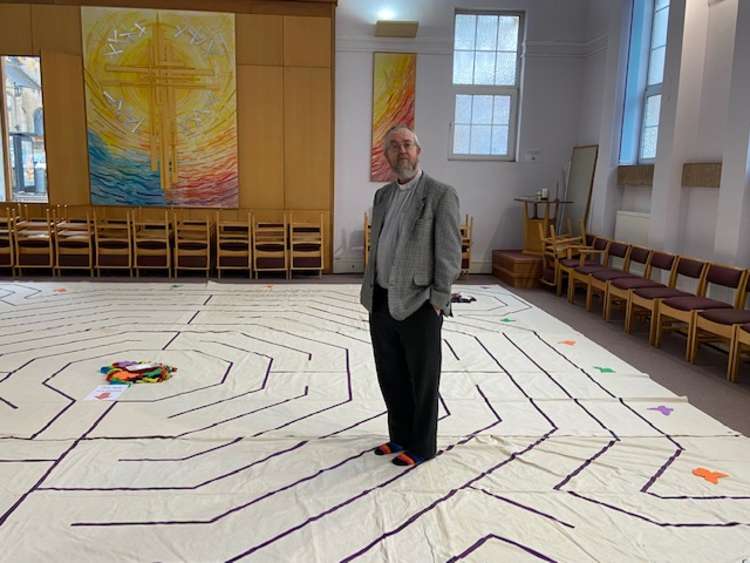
(405, 169)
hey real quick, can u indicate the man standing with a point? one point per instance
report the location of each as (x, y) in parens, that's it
(415, 256)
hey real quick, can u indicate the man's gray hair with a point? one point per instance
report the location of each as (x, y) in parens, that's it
(398, 127)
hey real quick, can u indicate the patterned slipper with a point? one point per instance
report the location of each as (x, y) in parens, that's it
(388, 448)
(404, 459)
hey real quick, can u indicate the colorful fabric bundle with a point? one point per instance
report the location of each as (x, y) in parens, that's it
(127, 372)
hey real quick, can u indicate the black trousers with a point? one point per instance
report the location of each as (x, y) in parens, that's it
(407, 359)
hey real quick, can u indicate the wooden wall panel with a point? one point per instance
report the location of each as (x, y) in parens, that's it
(260, 39)
(261, 129)
(65, 128)
(15, 29)
(56, 28)
(307, 138)
(307, 41)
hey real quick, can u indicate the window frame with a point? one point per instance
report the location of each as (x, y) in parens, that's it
(9, 194)
(653, 89)
(513, 91)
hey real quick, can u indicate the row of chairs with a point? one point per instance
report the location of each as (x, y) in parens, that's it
(65, 238)
(651, 286)
(466, 228)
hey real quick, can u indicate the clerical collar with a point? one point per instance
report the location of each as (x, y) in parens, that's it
(411, 183)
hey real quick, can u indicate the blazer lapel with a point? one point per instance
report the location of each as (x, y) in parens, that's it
(378, 216)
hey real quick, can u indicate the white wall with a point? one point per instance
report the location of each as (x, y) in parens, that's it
(561, 50)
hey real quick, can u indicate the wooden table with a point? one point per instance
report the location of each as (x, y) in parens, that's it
(534, 217)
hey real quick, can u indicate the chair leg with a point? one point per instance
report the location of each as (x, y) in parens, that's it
(571, 287)
(558, 280)
(589, 297)
(734, 358)
(628, 317)
(692, 341)
(656, 327)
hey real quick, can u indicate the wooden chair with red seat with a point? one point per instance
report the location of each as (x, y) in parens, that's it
(619, 289)
(717, 325)
(679, 313)
(740, 342)
(644, 302)
(596, 280)
(33, 235)
(573, 257)
(589, 260)
(614, 295)
(554, 249)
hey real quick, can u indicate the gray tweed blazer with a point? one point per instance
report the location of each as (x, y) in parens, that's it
(428, 253)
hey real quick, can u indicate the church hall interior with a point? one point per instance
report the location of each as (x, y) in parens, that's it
(209, 211)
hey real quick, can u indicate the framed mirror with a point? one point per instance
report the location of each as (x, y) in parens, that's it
(578, 187)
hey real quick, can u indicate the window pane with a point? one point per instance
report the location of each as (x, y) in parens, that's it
(487, 33)
(648, 142)
(482, 110)
(484, 72)
(500, 140)
(2, 168)
(505, 73)
(463, 67)
(508, 33)
(481, 135)
(501, 114)
(659, 4)
(463, 109)
(656, 66)
(465, 30)
(461, 135)
(659, 36)
(24, 118)
(653, 105)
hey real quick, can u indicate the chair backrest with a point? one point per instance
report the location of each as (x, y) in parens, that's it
(693, 269)
(729, 277)
(620, 250)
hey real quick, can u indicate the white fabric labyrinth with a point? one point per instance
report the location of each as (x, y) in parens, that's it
(259, 447)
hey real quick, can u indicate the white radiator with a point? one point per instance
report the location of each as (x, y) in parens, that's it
(632, 227)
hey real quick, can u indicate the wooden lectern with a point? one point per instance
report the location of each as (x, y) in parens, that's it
(533, 217)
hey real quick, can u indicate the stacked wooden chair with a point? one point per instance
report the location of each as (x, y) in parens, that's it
(270, 246)
(192, 244)
(113, 242)
(466, 230)
(152, 247)
(233, 244)
(74, 239)
(33, 238)
(7, 250)
(306, 245)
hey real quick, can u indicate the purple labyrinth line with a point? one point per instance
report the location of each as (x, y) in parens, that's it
(233, 510)
(185, 458)
(208, 299)
(184, 487)
(7, 402)
(4, 517)
(233, 397)
(368, 419)
(308, 354)
(176, 334)
(382, 485)
(328, 312)
(414, 517)
(244, 414)
(655, 522)
(445, 407)
(448, 344)
(331, 407)
(572, 363)
(523, 506)
(482, 541)
(193, 317)
(297, 322)
(585, 464)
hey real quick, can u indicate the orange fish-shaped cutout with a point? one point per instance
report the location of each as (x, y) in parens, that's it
(710, 476)
(60, 290)
(568, 342)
